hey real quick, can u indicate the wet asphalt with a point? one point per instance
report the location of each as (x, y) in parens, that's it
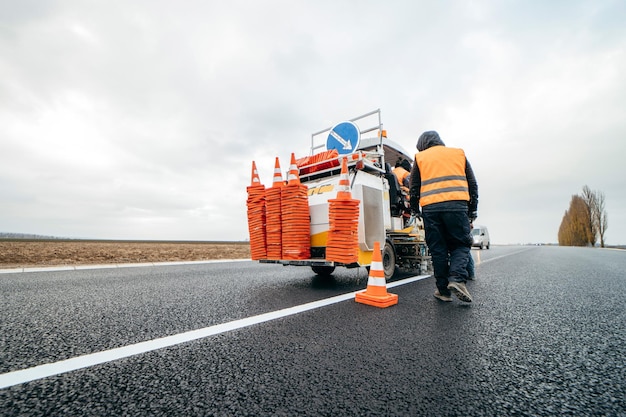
(545, 336)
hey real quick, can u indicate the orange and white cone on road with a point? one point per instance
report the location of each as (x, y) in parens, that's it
(376, 293)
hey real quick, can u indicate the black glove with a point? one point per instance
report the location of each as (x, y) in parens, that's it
(472, 216)
(415, 206)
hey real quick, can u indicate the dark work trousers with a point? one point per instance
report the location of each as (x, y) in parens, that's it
(449, 241)
(470, 266)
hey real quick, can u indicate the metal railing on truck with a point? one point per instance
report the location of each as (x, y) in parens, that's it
(373, 125)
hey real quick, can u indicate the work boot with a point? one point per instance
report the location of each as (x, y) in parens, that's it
(459, 289)
(443, 297)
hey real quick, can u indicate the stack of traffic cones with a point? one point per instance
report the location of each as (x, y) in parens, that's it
(376, 293)
(343, 213)
(256, 216)
(296, 225)
(273, 215)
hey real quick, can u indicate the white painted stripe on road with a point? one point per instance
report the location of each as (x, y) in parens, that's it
(10, 379)
(43, 371)
(501, 256)
(112, 266)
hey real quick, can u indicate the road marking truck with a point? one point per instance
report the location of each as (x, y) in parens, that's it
(380, 208)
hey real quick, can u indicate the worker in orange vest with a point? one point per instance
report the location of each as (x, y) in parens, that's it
(444, 185)
(402, 171)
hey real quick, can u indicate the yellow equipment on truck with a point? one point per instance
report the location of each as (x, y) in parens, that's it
(354, 200)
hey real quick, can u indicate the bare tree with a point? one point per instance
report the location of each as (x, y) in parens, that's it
(597, 214)
(602, 220)
(589, 196)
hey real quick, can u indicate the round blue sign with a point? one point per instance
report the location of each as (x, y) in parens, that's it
(344, 137)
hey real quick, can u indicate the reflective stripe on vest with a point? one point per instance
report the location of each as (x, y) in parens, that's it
(442, 171)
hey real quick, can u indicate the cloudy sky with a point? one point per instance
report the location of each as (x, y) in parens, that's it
(140, 119)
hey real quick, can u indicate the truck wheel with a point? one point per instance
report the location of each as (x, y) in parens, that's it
(389, 260)
(323, 270)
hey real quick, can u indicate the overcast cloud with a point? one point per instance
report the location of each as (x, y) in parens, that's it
(140, 119)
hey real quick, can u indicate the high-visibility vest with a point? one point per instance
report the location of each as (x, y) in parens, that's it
(442, 171)
(401, 174)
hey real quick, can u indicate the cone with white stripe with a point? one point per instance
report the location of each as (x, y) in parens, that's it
(342, 244)
(343, 188)
(376, 293)
(296, 223)
(255, 181)
(278, 177)
(256, 216)
(293, 177)
(274, 215)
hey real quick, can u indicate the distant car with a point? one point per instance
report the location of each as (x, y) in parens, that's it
(480, 235)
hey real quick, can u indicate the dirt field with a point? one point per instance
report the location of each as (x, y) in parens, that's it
(41, 253)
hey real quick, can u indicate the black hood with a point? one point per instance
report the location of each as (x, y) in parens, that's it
(429, 139)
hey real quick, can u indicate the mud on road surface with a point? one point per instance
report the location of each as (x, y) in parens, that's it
(41, 253)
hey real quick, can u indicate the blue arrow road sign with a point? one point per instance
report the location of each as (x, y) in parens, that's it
(344, 137)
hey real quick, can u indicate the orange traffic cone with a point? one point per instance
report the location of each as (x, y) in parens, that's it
(342, 244)
(343, 188)
(255, 176)
(296, 224)
(273, 215)
(293, 177)
(278, 177)
(256, 216)
(376, 293)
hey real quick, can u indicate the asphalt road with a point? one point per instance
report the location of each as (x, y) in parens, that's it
(545, 336)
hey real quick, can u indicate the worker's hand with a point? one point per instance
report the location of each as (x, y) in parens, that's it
(415, 211)
(472, 216)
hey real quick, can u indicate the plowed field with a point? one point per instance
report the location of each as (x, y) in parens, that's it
(42, 253)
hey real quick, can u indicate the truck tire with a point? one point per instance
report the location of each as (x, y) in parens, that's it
(323, 270)
(389, 260)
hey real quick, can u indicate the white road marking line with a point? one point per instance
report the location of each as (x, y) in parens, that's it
(112, 266)
(502, 256)
(10, 379)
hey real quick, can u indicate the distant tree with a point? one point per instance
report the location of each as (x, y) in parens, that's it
(590, 201)
(565, 233)
(575, 229)
(597, 213)
(603, 220)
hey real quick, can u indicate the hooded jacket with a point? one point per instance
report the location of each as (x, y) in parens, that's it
(455, 201)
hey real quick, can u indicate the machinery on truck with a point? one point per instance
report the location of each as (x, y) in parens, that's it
(383, 213)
